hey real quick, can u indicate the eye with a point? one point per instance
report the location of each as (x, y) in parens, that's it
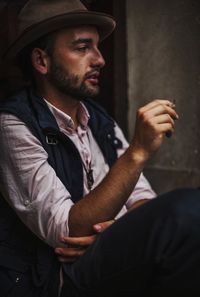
(83, 48)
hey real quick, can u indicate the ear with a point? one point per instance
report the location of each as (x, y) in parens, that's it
(40, 60)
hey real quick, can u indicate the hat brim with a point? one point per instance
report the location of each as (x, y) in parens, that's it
(105, 25)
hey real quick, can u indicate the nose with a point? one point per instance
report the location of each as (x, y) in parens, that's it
(98, 59)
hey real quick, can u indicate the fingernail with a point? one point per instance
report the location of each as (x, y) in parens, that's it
(173, 105)
(175, 117)
(97, 227)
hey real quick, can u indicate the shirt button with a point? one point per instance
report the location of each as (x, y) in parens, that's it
(17, 279)
(115, 142)
(26, 202)
(109, 136)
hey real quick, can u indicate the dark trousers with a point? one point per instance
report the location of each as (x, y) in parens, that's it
(153, 250)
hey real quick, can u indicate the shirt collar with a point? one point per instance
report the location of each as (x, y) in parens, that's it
(65, 121)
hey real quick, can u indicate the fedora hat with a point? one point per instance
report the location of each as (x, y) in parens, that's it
(40, 17)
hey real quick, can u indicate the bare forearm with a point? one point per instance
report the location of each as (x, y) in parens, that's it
(154, 120)
(106, 200)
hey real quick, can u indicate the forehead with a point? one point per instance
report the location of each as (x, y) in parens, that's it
(72, 34)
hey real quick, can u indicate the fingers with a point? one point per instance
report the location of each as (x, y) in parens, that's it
(69, 252)
(156, 102)
(79, 241)
(163, 118)
(100, 227)
(158, 107)
(159, 112)
(69, 255)
(167, 129)
(163, 109)
(153, 121)
(76, 247)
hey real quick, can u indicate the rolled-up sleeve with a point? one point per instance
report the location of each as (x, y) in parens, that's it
(29, 184)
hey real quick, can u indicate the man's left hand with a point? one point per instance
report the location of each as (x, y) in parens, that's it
(76, 246)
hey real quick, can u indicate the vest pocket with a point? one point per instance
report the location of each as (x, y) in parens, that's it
(14, 275)
(9, 279)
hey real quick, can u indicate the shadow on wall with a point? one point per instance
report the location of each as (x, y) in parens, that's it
(164, 62)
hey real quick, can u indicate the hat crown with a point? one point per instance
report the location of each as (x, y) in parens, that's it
(40, 17)
(36, 11)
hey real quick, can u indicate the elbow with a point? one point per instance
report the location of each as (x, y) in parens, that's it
(78, 224)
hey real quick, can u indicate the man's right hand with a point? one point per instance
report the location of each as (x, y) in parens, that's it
(154, 121)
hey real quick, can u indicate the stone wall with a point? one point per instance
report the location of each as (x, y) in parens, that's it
(164, 62)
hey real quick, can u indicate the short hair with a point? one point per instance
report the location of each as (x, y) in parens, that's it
(45, 43)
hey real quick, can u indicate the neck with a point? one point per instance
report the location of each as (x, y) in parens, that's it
(61, 101)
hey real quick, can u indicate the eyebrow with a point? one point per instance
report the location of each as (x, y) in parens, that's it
(82, 40)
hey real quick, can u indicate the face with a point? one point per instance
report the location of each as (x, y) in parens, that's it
(75, 64)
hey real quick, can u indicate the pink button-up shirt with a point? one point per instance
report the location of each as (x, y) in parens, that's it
(30, 184)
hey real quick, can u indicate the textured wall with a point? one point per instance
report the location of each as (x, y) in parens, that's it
(164, 62)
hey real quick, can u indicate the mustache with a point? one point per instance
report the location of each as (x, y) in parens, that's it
(94, 72)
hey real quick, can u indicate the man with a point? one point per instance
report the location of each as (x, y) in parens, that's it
(67, 174)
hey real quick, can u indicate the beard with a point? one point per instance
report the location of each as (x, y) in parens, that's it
(70, 84)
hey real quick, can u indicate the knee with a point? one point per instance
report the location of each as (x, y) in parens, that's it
(180, 222)
(183, 202)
